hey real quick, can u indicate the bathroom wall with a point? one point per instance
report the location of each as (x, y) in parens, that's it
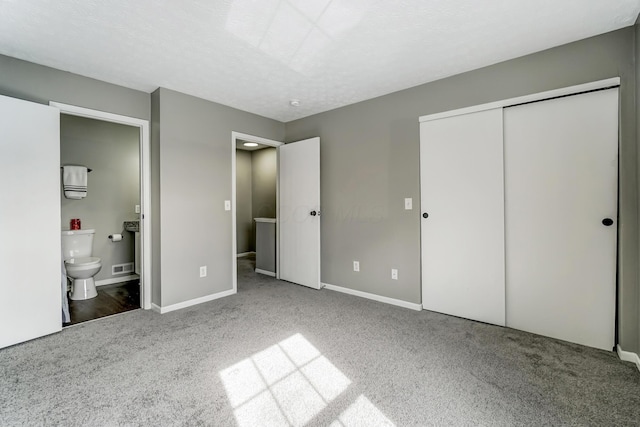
(263, 182)
(112, 152)
(244, 217)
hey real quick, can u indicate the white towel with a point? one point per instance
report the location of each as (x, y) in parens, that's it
(74, 179)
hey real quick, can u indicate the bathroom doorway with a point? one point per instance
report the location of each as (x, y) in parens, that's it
(255, 207)
(115, 210)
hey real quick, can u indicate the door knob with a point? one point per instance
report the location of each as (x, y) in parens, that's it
(313, 213)
(425, 215)
(607, 221)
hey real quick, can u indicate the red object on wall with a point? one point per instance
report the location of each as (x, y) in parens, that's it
(75, 224)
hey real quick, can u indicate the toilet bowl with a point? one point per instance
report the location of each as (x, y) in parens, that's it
(80, 265)
(82, 270)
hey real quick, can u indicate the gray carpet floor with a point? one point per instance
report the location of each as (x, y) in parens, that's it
(281, 354)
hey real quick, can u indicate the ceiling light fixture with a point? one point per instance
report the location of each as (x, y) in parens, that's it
(294, 103)
(250, 144)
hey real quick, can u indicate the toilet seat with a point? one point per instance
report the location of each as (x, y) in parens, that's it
(82, 263)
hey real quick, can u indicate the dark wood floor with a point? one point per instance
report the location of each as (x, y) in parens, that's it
(111, 299)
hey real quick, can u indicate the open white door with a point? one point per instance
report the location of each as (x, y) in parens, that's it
(299, 216)
(30, 257)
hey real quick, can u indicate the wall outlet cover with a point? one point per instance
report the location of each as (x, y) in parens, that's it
(394, 274)
(203, 271)
(356, 265)
(137, 209)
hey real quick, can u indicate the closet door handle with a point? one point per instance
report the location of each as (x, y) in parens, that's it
(425, 215)
(607, 222)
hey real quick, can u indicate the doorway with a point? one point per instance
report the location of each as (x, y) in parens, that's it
(109, 207)
(255, 205)
(143, 297)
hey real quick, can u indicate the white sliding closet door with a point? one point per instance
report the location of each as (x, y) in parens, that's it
(31, 252)
(462, 195)
(561, 172)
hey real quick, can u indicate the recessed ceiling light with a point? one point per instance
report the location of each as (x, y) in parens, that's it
(294, 103)
(250, 144)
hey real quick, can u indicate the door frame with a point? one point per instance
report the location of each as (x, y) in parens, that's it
(235, 136)
(145, 184)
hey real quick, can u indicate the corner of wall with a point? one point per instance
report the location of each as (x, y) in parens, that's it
(156, 276)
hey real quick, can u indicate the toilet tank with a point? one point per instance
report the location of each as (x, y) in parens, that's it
(77, 243)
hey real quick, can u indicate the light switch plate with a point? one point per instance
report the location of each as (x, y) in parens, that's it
(408, 203)
(137, 208)
(394, 274)
(227, 205)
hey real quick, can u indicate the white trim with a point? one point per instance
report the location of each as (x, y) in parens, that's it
(250, 138)
(145, 184)
(191, 302)
(628, 356)
(600, 84)
(379, 298)
(265, 272)
(116, 280)
(244, 254)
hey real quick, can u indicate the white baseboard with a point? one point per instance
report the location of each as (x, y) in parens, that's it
(628, 356)
(265, 272)
(387, 300)
(117, 280)
(189, 303)
(243, 254)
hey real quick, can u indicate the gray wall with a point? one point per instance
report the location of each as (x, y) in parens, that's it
(244, 214)
(370, 163)
(112, 151)
(156, 232)
(264, 178)
(37, 83)
(194, 145)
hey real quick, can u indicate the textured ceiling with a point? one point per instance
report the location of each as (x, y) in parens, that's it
(257, 55)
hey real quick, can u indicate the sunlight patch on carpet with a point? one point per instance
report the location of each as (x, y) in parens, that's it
(289, 384)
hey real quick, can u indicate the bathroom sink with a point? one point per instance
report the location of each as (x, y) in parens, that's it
(132, 226)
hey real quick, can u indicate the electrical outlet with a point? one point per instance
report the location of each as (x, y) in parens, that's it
(408, 203)
(394, 274)
(227, 205)
(356, 265)
(203, 271)
(137, 209)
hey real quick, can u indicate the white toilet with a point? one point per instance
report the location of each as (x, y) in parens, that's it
(81, 266)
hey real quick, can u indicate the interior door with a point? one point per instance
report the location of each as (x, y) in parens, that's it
(462, 231)
(30, 253)
(561, 170)
(299, 215)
